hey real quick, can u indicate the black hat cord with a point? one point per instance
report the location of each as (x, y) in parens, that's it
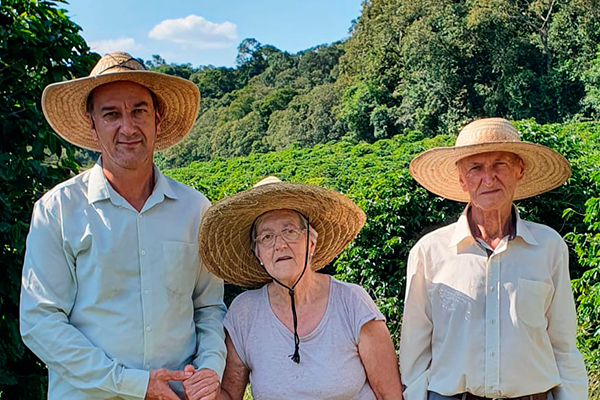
(296, 356)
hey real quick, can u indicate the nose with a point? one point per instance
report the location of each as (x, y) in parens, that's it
(489, 177)
(279, 242)
(127, 125)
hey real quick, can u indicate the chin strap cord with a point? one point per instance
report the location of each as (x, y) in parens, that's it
(296, 356)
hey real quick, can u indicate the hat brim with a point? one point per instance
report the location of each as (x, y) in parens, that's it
(224, 237)
(437, 171)
(64, 105)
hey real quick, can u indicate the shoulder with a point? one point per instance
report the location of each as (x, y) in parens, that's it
(353, 298)
(72, 190)
(440, 236)
(545, 235)
(184, 191)
(349, 290)
(245, 305)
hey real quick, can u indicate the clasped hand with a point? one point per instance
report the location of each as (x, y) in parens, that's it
(198, 385)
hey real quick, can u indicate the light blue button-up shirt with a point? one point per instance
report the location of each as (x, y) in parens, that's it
(110, 293)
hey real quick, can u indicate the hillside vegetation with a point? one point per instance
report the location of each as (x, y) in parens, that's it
(431, 66)
(399, 211)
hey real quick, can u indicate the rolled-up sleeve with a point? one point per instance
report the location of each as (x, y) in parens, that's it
(562, 327)
(417, 327)
(48, 292)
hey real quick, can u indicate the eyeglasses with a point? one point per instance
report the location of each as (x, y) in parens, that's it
(290, 235)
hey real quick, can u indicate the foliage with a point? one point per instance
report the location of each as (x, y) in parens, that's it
(38, 46)
(428, 66)
(398, 210)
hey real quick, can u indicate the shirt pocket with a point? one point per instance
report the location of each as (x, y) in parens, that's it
(532, 298)
(181, 267)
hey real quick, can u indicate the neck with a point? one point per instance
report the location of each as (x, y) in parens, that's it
(490, 226)
(305, 291)
(135, 185)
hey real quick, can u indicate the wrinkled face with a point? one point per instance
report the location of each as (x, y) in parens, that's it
(491, 179)
(125, 124)
(283, 259)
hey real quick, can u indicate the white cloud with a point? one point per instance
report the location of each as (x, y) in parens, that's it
(196, 31)
(106, 46)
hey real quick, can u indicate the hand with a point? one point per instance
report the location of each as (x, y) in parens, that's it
(158, 384)
(202, 385)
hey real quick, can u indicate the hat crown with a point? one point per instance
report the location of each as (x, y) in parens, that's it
(487, 130)
(117, 61)
(267, 180)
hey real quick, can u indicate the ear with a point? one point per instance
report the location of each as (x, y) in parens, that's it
(311, 247)
(92, 127)
(157, 121)
(520, 169)
(461, 181)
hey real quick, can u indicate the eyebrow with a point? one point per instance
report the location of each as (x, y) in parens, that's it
(108, 108)
(141, 103)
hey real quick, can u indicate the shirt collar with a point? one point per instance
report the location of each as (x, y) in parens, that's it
(99, 189)
(462, 230)
(97, 184)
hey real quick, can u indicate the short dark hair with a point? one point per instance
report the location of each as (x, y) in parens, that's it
(89, 104)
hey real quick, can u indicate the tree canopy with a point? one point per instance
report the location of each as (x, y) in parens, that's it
(38, 45)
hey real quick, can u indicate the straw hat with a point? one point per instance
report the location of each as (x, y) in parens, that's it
(224, 237)
(436, 169)
(64, 103)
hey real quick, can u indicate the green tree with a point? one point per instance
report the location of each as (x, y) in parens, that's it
(38, 45)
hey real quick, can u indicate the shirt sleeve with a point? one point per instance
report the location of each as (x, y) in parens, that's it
(48, 292)
(237, 328)
(363, 309)
(209, 311)
(562, 330)
(417, 328)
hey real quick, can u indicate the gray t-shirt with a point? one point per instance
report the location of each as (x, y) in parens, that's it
(330, 366)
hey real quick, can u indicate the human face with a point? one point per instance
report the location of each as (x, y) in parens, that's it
(491, 179)
(284, 260)
(125, 124)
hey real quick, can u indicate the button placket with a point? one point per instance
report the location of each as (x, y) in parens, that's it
(492, 329)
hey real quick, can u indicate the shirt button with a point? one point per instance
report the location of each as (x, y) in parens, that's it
(492, 321)
(143, 252)
(492, 288)
(140, 216)
(148, 329)
(493, 354)
(146, 291)
(147, 366)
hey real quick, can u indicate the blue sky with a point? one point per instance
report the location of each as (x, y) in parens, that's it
(203, 32)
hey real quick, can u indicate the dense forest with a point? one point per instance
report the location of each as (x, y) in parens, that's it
(348, 116)
(429, 66)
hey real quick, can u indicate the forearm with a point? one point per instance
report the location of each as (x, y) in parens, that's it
(210, 335)
(69, 353)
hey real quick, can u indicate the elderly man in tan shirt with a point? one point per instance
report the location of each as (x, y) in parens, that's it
(489, 311)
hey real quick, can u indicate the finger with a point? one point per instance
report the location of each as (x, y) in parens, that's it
(189, 368)
(169, 375)
(203, 390)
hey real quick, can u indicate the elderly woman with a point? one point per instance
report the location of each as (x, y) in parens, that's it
(302, 335)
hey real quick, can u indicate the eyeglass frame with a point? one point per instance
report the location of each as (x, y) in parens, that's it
(281, 235)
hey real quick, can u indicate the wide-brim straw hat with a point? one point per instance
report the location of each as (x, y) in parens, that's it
(64, 103)
(224, 237)
(437, 171)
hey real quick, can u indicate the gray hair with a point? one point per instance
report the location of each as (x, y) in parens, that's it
(304, 224)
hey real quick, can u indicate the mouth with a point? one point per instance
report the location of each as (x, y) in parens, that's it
(490, 191)
(283, 258)
(130, 144)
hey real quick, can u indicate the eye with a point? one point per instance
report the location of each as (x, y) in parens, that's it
(266, 238)
(140, 111)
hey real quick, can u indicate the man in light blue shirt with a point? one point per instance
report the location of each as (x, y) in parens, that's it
(114, 299)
